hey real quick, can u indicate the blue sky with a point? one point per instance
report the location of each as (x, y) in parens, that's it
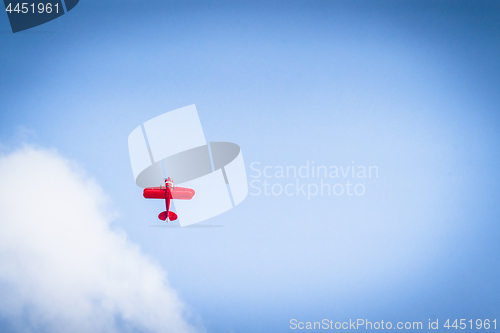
(408, 86)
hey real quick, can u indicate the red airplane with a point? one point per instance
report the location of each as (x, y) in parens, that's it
(167, 192)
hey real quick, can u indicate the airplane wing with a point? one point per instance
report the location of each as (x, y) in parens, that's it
(155, 192)
(182, 193)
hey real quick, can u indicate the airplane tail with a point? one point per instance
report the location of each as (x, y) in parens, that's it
(162, 216)
(171, 216)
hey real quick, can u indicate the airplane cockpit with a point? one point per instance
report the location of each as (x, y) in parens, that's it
(169, 183)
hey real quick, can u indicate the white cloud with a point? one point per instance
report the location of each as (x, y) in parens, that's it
(62, 269)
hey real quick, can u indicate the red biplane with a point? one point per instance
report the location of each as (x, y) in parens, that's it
(167, 192)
